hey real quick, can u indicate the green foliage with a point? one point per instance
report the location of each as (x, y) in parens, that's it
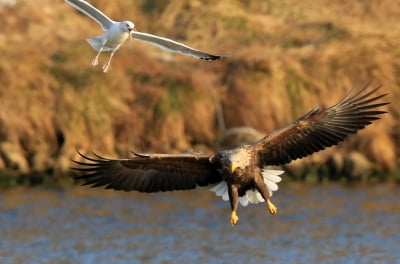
(313, 34)
(154, 6)
(236, 23)
(294, 85)
(176, 98)
(77, 79)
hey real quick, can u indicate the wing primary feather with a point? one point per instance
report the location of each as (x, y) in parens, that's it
(142, 155)
(87, 169)
(352, 97)
(321, 128)
(148, 173)
(84, 164)
(360, 97)
(366, 102)
(87, 176)
(173, 46)
(99, 157)
(86, 157)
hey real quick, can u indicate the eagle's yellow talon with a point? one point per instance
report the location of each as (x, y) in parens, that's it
(272, 208)
(234, 218)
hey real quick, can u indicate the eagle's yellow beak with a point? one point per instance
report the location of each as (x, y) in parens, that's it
(234, 166)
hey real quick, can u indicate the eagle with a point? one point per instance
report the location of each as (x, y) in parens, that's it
(241, 174)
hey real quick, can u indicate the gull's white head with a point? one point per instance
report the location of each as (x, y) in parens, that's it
(127, 26)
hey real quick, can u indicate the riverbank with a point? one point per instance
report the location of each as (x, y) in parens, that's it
(283, 58)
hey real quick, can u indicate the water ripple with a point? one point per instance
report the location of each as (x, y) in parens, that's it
(316, 224)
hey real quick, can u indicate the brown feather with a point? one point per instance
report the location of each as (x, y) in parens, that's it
(320, 128)
(240, 168)
(148, 173)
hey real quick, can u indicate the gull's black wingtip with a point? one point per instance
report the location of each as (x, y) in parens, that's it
(213, 57)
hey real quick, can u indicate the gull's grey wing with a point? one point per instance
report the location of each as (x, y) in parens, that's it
(149, 172)
(173, 46)
(321, 128)
(86, 8)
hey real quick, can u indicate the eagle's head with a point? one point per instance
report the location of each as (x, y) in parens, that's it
(229, 160)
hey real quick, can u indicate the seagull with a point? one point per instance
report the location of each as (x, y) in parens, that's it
(117, 32)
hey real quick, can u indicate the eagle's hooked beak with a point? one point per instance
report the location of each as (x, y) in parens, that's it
(234, 165)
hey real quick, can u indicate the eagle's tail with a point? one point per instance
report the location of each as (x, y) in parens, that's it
(271, 179)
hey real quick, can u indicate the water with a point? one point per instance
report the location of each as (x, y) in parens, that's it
(315, 224)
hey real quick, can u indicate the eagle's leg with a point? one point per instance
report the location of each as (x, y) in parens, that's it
(262, 188)
(271, 207)
(234, 200)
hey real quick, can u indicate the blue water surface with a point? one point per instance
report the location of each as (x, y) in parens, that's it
(328, 223)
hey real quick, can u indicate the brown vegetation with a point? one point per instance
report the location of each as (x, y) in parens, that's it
(284, 57)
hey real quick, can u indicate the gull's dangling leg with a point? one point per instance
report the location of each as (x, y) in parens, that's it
(95, 61)
(107, 65)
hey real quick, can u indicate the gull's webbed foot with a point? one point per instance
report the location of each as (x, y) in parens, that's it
(106, 67)
(95, 61)
(234, 218)
(271, 207)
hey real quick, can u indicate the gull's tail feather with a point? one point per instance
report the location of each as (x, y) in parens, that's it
(97, 43)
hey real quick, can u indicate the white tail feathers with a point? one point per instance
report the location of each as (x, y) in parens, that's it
(97, 42)
(221, 189)
(271, 179)
(253, 196)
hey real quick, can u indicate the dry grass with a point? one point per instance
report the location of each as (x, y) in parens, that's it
(284, 58)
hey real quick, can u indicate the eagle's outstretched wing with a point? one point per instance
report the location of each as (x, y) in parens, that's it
(148, 172)
(320, 128)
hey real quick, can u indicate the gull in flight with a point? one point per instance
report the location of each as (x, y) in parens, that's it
(117, 32)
